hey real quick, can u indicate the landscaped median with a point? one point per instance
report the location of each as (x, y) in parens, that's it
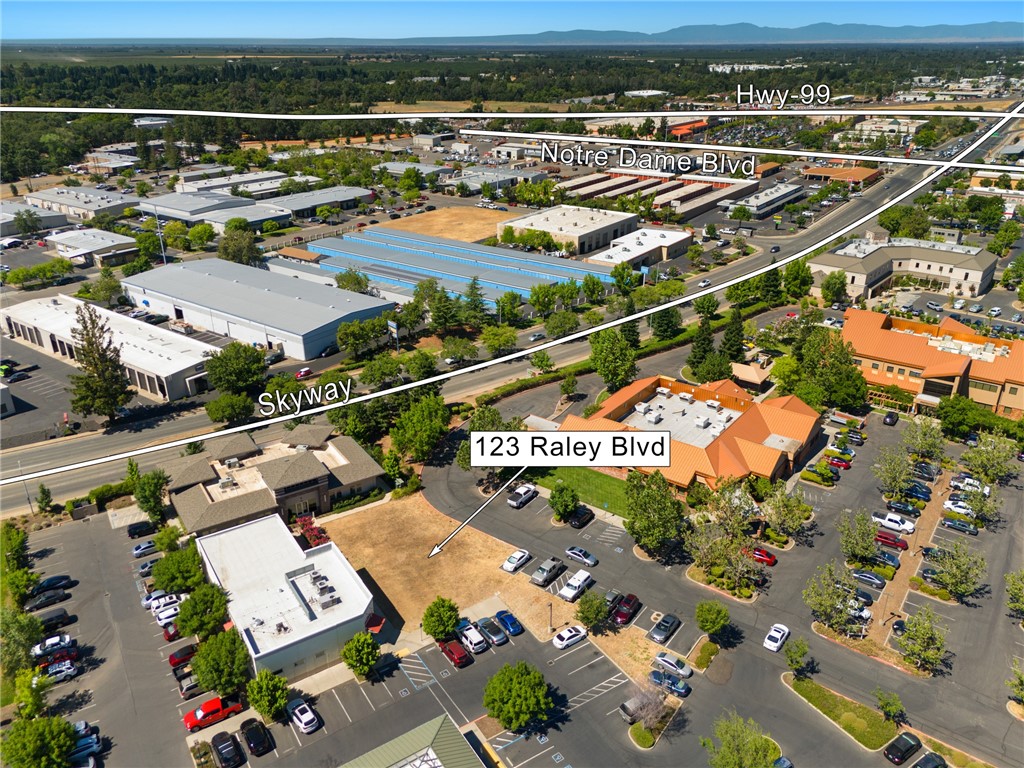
(864, 724)
(718, 582)
(871, 648)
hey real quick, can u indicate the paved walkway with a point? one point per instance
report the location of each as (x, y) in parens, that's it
(600, 514)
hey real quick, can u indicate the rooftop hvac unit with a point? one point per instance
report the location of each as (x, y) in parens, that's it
(642, 407)
(686, 397)
(713, 404)
(328, 600)
(231, 463)
(653, 417)
(226, 482)
(702, 421)
(663, 391)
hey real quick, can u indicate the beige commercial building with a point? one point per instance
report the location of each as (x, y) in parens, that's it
(585, 229)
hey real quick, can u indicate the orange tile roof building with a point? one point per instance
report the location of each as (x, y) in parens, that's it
(718, 431)
(850, 176)
(935, 361)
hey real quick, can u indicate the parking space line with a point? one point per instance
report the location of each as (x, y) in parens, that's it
(367, 699)
(594, 661)
(638, 615)
(441, 686)
(517, 765)
(341, 705)
(442, 706)
(567, 653)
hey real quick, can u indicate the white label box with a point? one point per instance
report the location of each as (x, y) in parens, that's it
(571, 449)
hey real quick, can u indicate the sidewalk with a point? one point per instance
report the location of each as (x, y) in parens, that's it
(600, 514)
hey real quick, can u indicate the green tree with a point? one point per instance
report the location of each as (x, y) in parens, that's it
(703, 344)
(593, 288)
(624, 276)
(498, 338)
(923, 641)
(771, 287)
(201, 234)
(267, 694)
(559, 324)
(665, 324)
(517, 696)
(361, 653)
(796, 655)
(102, 385)
(833, 287)
(706, 306)
(43, 742)
(742, 744)
(827, 594)
(44, 499)
(1014, 593)
(508, 306)
(221, 664)
(352, 280)
(732, 340)
(440, 618)
(741, 213)
(235, 368)
(856, 535)
(563, 502)
(149, 494)
(591, 609)
(30, 688)
(890, 705)
(892, 470)
(237, 224)
(474, 309)
(715, 367)
(542, 298)
(993, 459)
(137, 266)
(797, 278)
(1016, 681)
(630, 330)
(613, 357)
(239, 247)
(458, 348)
(785, 511)
(960, 571)
(383, 369)
(923, 439)
(27, 222)
(542, 361)
(204, 613)
(19, 631)
(229, 408)
(712, 617)
(179, 570)
(655, 515)
(166, 539)
(568, 385)
(420, 428)
(829, 362)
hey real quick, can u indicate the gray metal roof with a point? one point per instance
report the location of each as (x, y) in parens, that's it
(318, 197)
(435, 743)
(191, 203)
(257, 295)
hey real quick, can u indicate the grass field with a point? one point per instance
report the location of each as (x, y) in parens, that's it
(595, 488)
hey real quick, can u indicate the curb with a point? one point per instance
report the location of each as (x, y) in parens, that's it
(821, 714)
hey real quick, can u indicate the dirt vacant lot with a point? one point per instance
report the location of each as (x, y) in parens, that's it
(465, 223)
(392, 541)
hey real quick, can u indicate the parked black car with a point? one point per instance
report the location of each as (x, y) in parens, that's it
(46, 599)
(581, 518)
(903, 508)
(891, 418)
(899, 750)
(227, 750)
(135, 530)
(52, 582)
(257, 737)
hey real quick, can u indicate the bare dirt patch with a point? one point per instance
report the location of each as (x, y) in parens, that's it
(630, 649)
(462, 222)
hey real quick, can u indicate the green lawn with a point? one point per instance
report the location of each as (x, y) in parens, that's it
(865, 724)
(595, 488)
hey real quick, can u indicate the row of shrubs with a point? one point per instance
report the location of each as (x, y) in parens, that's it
(314, 533)
(975, 521)
(101, 495)
(358, 500)
(814, 477)
(708, 651)
(940, 592)
(718, 579)
(887, 572)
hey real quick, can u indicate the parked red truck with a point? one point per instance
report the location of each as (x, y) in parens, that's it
(211, 711)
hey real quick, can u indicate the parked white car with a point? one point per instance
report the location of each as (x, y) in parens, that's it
(150, 598)
(776, 637)
(51, 645)
(165, 601)
(569, 637)
(302, 715)
(515, 561)
(168, 615)
(575, 586)
(894, 522)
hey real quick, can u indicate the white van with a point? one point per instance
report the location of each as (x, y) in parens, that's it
(575, 586)
(934, 306)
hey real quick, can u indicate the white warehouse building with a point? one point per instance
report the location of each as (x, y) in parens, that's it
(252, 305)
(294, 609)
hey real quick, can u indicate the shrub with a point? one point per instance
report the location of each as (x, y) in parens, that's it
(104, 493)
(641, 736)
(814, 477)
(357, 501)
(412, 485)
(940, 592)
(776, 538)
(717, 571)
(71, 504)
(978, 523)
(745, 593)
(590, 410)
(708, 651)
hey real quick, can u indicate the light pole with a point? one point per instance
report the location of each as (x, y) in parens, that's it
(551, 619)
(160, 235)
(28, 497)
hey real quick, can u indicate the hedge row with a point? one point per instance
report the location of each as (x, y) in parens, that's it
(928, 589)
(976, 522)
(708, 651)
(814, 477)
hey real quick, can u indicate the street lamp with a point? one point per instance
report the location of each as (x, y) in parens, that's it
(551, 619)
(160, 235)
(28, 497)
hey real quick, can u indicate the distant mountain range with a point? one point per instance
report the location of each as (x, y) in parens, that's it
(701, 34)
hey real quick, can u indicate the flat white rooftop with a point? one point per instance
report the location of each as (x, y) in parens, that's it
(693, 423)
(279, 594)
(639, 243)
(222, 182)
(143, 347)
(89, 199)
(571, 219)
(272, 185)
(88, 240)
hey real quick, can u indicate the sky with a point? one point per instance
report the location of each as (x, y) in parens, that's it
(280, 19)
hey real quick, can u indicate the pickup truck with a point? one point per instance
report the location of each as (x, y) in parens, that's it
(210, 712)
(547, 572)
